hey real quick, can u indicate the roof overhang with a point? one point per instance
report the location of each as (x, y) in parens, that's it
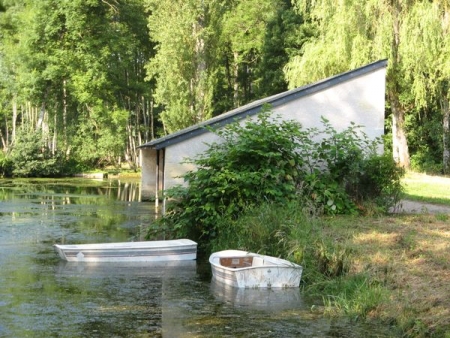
(256, 106)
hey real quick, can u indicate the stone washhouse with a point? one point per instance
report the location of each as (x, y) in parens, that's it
(355, 96)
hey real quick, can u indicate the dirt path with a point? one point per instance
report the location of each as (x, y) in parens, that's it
(413, 207)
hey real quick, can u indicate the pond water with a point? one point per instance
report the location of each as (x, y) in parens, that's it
(42, 296)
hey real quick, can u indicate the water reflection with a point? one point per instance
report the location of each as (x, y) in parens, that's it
(125, 295)
(36, 299)
(272, 300)
(171, 269)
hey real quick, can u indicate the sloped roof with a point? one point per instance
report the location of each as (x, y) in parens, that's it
(255, 106)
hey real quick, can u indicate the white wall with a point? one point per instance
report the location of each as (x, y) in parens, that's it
(360, 100)
(148, 174)
(179, 152)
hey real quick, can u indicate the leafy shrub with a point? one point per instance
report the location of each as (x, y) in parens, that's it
(269, 160)
(5, 165)
(423, 161)
(255, 162)
(31, 158)
(379, 181)
(356, 171)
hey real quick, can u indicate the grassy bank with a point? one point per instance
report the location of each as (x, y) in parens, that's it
(402, 262)
(393, 269)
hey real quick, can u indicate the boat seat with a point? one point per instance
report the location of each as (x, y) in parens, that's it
(258, 261)
(236, 262)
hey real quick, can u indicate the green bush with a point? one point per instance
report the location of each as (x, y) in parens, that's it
(271, 160)
(5, 165)
(30, 157)
(424, 162)
(379, 182)
(255, 162)
(354, 174)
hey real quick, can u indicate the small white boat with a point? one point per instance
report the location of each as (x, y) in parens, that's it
(250, 270)
(147, 251)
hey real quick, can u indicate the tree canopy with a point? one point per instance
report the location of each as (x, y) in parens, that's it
(412, 35)
(93, 79)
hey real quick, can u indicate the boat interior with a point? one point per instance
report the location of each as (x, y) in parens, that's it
(241, 262)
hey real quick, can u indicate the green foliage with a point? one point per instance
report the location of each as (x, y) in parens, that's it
(424, 161)
(253, 163)
(85, 60)
(349, 172)
(80, 63)
(5, 165)
(425, 141)
(285, 33)
(413, 35)
(380, 181)
(269, 228)
(271, 160)
(98, 146)
(30, 157)
(184, 85)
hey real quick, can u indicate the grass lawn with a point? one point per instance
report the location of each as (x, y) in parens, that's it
(421, 187)
(408, 255)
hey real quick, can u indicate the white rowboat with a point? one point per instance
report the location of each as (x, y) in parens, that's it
(147, 251)
(250, 270)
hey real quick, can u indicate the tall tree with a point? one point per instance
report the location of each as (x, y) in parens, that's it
(426, 29)
(210, 55)
(285, 34)
(245, 27)
(350, 34)
(180, 66)
(78, 70)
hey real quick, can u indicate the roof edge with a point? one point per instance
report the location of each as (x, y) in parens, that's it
(254, 107)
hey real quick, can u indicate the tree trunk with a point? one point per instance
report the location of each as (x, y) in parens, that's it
(4, 141)
(41, 117)
(64, 114)
(236, 80)
(198, 85)
(445, 134)
(399, 143)
(55, 134)
(152, 121)
(14, 122)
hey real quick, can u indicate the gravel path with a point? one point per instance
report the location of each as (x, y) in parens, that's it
(413, 207)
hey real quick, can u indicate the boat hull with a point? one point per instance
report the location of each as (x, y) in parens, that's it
(148, 251)
(261, 299)
(261, 272)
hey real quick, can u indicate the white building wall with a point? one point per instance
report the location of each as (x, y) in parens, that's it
(180, 152)
(360, 100)
(148, 174)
